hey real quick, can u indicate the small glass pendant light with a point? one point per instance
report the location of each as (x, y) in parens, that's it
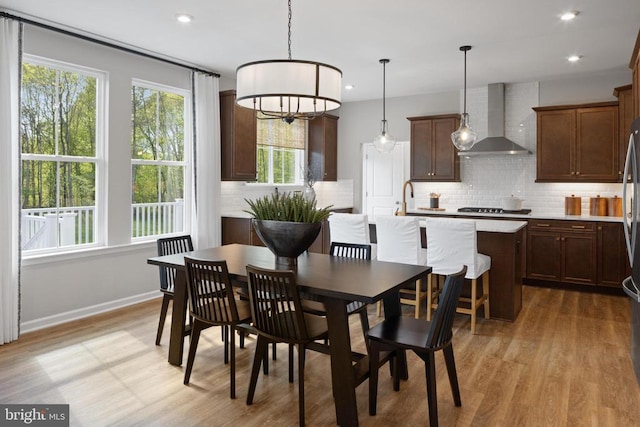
(464, 138)
(384, 142)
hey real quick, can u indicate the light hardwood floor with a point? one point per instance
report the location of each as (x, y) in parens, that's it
(564, 362)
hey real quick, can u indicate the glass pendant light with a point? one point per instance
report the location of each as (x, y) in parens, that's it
(465, 137)
(384, 142)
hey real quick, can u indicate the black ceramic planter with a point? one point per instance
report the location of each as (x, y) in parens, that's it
(287, 240)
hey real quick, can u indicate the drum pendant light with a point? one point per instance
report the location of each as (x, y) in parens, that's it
(465, 137)
(288, 89)
(384, 142)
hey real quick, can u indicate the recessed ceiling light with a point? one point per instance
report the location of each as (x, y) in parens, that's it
(184, 18)
(568, 16)
(349, 87)
(574, 58)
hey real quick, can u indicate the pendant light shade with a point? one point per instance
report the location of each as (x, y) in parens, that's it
(464, 138)
(289, 89)
(384, 142)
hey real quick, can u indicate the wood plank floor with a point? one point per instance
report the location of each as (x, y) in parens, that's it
(564, 362)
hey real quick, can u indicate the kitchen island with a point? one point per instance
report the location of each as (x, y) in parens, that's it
(504, 241)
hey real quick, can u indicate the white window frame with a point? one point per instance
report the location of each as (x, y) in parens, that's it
(102, 79)
(300, 162)
(186, 163)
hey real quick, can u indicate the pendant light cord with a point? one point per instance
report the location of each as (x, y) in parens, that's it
(465, 81)
(289, 35)
(384, 81)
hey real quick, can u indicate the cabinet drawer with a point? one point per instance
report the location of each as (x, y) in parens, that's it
(555, 225)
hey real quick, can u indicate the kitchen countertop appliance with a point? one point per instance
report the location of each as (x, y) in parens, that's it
(470, 209)
(631, 285)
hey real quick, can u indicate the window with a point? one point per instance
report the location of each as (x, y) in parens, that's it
(280, 153)
(61, 142)
(159, 167)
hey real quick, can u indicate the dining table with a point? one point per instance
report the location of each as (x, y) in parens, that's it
(335, 281)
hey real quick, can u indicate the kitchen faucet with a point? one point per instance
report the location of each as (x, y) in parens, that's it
(403, 212)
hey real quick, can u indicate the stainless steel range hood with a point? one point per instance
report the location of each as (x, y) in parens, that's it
(495, 143)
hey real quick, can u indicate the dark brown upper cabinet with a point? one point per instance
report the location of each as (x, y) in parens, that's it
(322, 153)
(578, 143)
(237, 139)
(433, 155)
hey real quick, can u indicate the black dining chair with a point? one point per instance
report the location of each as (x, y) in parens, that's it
(424, 338)
(169, 246)
(277, 315)
(213, 302)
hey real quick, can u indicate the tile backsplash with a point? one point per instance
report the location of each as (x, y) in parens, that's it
(486, 180)
(338, 194)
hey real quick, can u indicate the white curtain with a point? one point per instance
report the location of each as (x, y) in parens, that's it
(206, 222)
(10, 47)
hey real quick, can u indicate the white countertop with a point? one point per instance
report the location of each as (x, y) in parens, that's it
(532, 215)
(488, 225)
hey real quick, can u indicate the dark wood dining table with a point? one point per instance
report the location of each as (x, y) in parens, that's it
(335, 281)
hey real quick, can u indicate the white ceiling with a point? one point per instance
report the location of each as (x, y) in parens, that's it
(513, 40)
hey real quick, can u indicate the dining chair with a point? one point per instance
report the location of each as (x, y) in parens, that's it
(212, 301)
(398, 239)
(424, 338)
(350, 228)
(277, 315)
(169, 246)
(451, 243)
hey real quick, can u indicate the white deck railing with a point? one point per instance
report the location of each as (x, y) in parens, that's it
(50, 228)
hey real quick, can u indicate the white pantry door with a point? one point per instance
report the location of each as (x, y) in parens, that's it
(383, 176)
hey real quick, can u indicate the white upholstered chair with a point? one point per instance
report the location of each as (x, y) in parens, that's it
(398, 240)
(452, 243)
(350, 228)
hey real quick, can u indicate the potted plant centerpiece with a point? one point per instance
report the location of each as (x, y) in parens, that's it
(287, 223)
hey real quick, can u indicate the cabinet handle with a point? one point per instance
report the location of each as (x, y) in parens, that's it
(557, 238)
(578, 226)
(542, 225)
(577, 173)
(573, 173)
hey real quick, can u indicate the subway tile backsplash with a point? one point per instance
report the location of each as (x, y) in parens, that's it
(486, 180)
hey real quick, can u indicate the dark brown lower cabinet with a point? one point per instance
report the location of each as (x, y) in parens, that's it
(577, 252)
(613, 262)
(239, 230)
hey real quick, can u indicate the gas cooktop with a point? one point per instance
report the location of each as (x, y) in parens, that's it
(494, 210)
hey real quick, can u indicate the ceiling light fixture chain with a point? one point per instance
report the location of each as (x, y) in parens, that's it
(289, 35)
(288, 89)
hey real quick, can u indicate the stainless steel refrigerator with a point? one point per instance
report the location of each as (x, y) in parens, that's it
(631, 215)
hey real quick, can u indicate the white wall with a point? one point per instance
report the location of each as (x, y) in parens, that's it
(485, 180)
(57, 288)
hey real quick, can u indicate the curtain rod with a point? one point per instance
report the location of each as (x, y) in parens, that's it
(104, 43)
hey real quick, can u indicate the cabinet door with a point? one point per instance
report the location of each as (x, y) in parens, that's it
(579, 257)
(613, 262)
(625, 118)
(421, 150)
(236, 230)
(556, 145)
(445, 159)
(323, 147)
(237, 139)
(597, 144)
(543, 255)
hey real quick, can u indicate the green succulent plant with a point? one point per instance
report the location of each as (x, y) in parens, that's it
(287, 206)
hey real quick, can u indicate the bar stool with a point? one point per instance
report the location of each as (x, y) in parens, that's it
(350, 228)
(452, 243)
(398, 239)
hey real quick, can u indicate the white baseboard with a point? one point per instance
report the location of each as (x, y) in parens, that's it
(45, 322)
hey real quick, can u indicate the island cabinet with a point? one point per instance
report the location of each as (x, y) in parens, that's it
(634, 64)
(433, 155)
(625, 118)
(237, 139)
(578, 143)
(323, 147)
